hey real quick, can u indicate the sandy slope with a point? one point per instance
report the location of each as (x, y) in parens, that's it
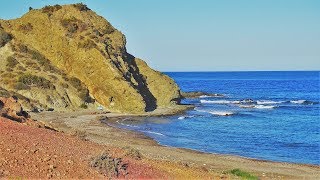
(210, 163)
(40, 153)
(31, 152)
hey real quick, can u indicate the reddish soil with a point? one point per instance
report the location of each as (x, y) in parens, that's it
(32, 152)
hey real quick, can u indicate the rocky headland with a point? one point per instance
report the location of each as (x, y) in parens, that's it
(68, 57)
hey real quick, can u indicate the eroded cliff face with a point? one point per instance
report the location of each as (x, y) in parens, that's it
(79, 59)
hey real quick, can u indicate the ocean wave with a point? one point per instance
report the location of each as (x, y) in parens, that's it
(264, 102)
(247, 101)
(247, 106)
(219, 102)
(298, 101)
(199, 110)
(222, 113)
(264, 107)
(306, 102)
(156, 133)
(257, 106)
(184, 117)
(205, 96)
(218, 113)
(123, 124)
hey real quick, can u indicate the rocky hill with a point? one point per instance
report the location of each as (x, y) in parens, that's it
(68, 57)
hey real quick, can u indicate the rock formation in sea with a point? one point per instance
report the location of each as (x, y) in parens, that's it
(68, 57)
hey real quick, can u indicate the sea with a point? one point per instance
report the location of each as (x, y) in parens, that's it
(262, 115)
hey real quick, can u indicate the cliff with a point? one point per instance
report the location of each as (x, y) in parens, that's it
(66, 57)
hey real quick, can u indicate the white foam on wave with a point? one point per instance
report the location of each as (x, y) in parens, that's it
(205, 96)
(257, 106)
(184, 117)
(264, 107)
(219, 102)
(247, 106)
(199, 110)
(156, 133)
(298, 101)
(222, 113)
(217, 113)
(263, 102)
(123, 124)
(246, 101)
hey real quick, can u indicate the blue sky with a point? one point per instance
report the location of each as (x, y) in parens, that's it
(209, 35)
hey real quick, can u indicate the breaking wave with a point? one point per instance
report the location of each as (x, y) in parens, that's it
(217, 113)
(222, 113)
(306, 102)
(254, 104)
(257, 106)
(184, 117)
(156, 133)
(263, 102)
(264, 107)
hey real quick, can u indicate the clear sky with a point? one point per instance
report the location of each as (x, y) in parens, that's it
(209, 35)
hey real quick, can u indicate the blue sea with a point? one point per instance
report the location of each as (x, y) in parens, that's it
(264, 115)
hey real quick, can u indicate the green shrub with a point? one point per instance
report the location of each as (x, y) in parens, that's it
(21, 86)
(64, 85)
(23, 48)
(43, 62)
(11, 62)
(32, 65)
(96, 33)
(134, 153)
(87, 44)
(38, 56)
(72, 24)
(25, 27)
(4, 37)
(51, 9)
(20, 68)
(4, 93)
(80, 134)
(48, 67)
(109, 166)
(76, 83)
(83, 106)
(81, 7)
(243, 174)
(37, 81)
(108, 29)
(55, 78)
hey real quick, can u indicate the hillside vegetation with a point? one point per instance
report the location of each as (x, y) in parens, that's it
(68, 57)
